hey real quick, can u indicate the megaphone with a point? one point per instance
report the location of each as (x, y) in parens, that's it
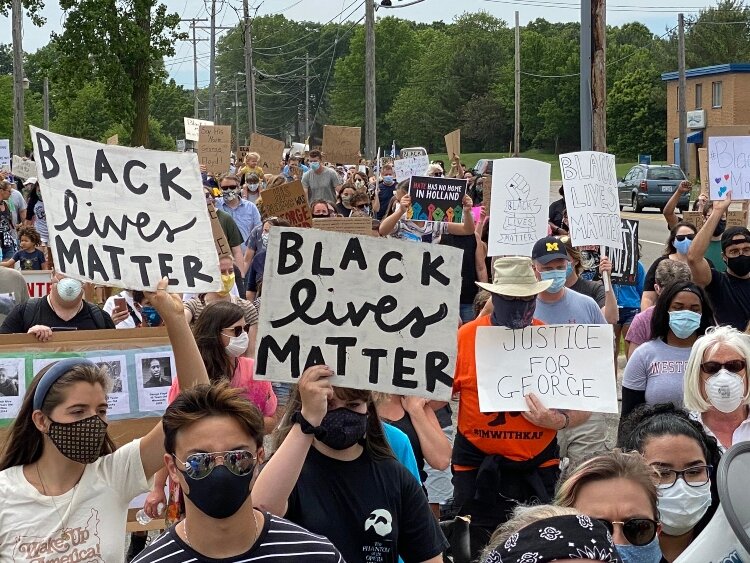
(725, 539)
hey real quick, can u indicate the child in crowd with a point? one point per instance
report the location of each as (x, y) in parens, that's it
(29, 257)
(251, 165)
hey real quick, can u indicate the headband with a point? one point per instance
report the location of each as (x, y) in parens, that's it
(560, 537)
(55, 372)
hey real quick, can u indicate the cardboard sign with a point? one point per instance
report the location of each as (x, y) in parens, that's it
(694, 218)
(289, 202)
(453, 144)
(520, 205)
(242, 150)
(590, 181)
(703, 170)
(437, 199)
(23, 168)
(113, 140)
(192, 127)
(487, 194)
(736, 219)
(39, 282)
(270, 150)
(729, 167)
(341, 144)
(125, 217)
(351, 225)
(381, 312)
(220, 240)
(181, 145)
(5, 154)
(625, 260)
(215, 148)
(410, 166)
(565, 366)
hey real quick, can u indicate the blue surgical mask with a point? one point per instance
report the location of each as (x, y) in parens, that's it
(315, 165)
(682, 246)
(684, 323)
(649, 553)
(569, 270)
(558, 278)
(388, 180)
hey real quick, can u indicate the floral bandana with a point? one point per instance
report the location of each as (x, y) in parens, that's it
(561, 537)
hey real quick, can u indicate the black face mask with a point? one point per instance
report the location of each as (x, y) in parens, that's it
(80, 441)
(221, 493)
(720, 228)
(513, 314)
(739, 265)
(343, 428)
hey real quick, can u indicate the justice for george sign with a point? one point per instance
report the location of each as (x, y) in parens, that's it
(125, 217)
(566, 366)
(382, 313)
(437, 199)
(729, 167)
(289, 202)
(590, 182)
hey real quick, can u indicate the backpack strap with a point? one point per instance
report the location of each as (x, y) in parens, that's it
(97, 315)
(31, 312)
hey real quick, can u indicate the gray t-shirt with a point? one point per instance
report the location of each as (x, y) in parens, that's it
(594, 289)
(573, 308)
(658, 369)
(322, 185)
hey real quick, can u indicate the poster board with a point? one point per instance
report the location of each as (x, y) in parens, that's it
(381, 312)
(703, 170)
(23, 168)
(694, 218)
(625, 260)
(521, 202)
(736, 219)
(215, 148)
(566, 366)
(242, 150)
(289, 202)
(728, 162)
(453, 144)
(351, 225)
(181, 145)
(114, 140)
(270, 150)
(5, 160)
(39, 282)
(437, 199)
(125, 217)
(405, 168)
(591, 198)
(220, 240)
(192, 127)
(341, 144)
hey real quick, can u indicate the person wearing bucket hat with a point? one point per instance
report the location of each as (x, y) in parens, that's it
(503, 459)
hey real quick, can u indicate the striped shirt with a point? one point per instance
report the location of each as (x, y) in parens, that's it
(279, 541)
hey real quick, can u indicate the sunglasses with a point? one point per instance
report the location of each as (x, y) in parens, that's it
(735, 366)
(318, 215)
(238, 329)
(363, 206)
(225, 188)
(200, 465)
(638, 531)
(691, 236)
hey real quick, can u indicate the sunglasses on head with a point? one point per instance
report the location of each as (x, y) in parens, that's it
(691, 236)
(638, 531)
(735, 366)
(238, 329)
(200, 465)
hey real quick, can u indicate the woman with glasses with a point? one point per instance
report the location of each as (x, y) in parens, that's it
(654, 373)
(716, 386)
(620, 490)
(684, 457)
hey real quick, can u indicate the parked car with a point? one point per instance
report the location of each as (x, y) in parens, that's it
(651, 185)
(482, 167)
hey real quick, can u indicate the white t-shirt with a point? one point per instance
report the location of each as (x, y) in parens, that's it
(109, 307)
(94, 512)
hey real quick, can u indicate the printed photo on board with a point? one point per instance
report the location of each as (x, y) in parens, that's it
(12, 386)
(118, 399)
(159, 372)
(9, 377)
(154, 378)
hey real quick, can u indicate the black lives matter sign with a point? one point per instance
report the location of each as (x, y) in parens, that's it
(126, 217)
(381, 313)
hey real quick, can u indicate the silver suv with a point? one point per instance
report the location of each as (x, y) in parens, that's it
(651, 185)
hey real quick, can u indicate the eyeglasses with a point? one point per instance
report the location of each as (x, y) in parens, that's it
(735, 366)
(735, 252)
(225, 188)
(680, 238)
(695, 476)
(638, 531)
(238, 329)
(200, 465)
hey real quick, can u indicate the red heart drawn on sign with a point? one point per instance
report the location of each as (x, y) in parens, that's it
(726, 176)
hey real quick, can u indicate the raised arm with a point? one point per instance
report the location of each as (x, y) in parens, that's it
(467, 226)
(388, 224)
(436, 448)
(669, 214)
(698, 265)
(610, 311)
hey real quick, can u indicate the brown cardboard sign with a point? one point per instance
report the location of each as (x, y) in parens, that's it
(222, 245)
(270, 150)
(114, 140)
(289, 202)
(351, 225)
(215, 148)
(341, 144)
(736, 219)
(453, 144)
(694, 218)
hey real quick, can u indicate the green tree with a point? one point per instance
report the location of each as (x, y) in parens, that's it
(719, 35)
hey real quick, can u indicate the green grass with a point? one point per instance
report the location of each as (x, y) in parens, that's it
(470, 159)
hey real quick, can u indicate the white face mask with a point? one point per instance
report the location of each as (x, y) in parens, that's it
(69, 289)
(237, 345)
(682, 506)
(725, 390)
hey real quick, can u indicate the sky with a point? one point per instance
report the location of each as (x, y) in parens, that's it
(657, 18)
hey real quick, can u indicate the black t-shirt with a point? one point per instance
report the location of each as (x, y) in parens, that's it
(372, 510)
(14, 322)
(556, 209)
(593, 289)
(730, 299)
(467, 243)
(407, 427)
(279, 541)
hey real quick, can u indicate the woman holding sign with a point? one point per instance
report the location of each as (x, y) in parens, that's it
(62, 480)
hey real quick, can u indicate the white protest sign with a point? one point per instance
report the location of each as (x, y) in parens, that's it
(566, 366)
(729, 167)
(192, 127)
(381, 312)
(4, 154)
(520, 205)
(590, 182)
(405, 168)
(23, 168)
(126, 217)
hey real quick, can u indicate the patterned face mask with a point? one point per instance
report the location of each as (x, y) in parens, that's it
(80, 441)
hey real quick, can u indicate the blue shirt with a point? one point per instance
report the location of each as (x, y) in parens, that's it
(30, 260)
(246, 216)
(629, 296)
(401, 446)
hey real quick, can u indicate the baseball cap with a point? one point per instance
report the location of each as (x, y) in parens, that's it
(32, 180)
(728, 236)
(547, 249)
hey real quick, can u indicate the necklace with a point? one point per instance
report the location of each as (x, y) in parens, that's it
(255, 535)
(63, 525)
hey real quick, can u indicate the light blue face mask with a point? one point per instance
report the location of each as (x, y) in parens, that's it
(569, 270)
(684, 323)
(558, 278)
(649, 553)
(682, 246)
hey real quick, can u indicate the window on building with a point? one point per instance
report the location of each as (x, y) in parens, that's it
(716, 94)
(698, 96)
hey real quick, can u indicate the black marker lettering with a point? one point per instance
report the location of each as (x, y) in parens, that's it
(382, 267)
(73, 173)
(435, 364)
(69, 255)
(430, 270)
(192, 266)
(114, 252)
(289, 245)
(353, 253)
(50, 166)
(374, 354)
(140, 190)
(95, 264)
(142, 261)
(399, 369)
(341, 343)
(101, 167)
(167, 182)
(289, 351)
(317, 269)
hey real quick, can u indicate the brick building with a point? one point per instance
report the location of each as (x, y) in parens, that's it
(718, 103)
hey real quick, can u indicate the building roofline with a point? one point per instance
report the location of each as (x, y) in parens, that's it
(707, 71)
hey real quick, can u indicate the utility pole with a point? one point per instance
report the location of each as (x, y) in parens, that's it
(212, 67)
(682, 93)
(599, 75)
(194, 41)
(307, 96)
(46, 103)
(370, 108)
(249, 70)
(18, 113)
(237, 111)
(585, 70)
(517, 119)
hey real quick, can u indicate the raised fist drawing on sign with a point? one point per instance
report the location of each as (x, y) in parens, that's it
(518, 187)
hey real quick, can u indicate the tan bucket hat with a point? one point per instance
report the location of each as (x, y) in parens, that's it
(515, 277)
